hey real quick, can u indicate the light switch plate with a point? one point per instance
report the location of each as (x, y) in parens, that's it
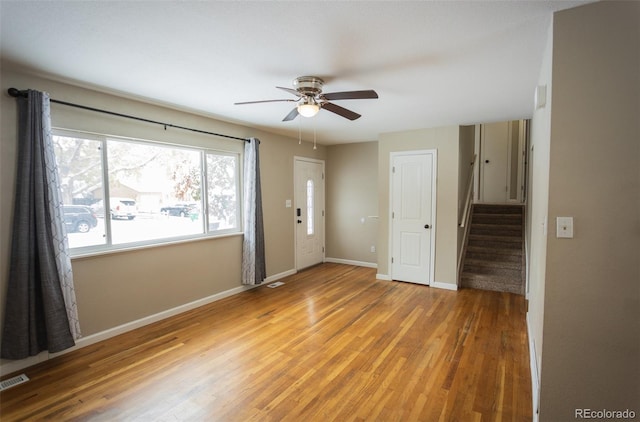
(564, 227)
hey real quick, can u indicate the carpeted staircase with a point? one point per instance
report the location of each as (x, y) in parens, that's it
(494, 258)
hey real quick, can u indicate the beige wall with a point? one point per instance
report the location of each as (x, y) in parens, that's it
(352, 199)
(446, 141)
(119, 288)
(591, 283)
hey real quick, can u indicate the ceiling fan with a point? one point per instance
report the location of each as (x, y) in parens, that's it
(310, 99)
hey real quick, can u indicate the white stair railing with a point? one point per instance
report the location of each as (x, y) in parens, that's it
(467, 205)
(466, 214)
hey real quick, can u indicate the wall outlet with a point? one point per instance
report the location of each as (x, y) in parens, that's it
(373, 249)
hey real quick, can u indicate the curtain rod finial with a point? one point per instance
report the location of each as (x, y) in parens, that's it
(15, 93)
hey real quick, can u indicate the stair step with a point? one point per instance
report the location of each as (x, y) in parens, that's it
(481, 253)
(495, 242)
(508, 225)
(497, 209)
(498, 264)
(505, 250)
(499, 219)
(511, 230)
(490, 255)
(491, 237)
(492, 283)
(505, 276)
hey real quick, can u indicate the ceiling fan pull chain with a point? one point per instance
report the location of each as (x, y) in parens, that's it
(314, 135)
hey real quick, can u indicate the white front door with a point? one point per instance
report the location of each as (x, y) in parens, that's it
(412, 216)
(494, 162)
(309, 211)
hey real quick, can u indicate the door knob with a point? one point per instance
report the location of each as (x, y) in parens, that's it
(486, 161)
(426, 226)
(299, 221)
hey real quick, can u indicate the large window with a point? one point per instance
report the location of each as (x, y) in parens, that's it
(119, 192)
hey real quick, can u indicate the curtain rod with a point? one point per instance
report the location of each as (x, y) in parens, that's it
(17, 93)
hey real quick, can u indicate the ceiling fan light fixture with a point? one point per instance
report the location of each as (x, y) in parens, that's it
(310, 99)
(308, 109)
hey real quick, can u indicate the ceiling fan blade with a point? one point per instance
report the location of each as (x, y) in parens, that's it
(263, 101)
(292, 115)
(350, 95)
(290, 91)
(351, 115)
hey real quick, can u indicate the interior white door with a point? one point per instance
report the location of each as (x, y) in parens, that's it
(494, 162)
(309, 211)
(412, 219)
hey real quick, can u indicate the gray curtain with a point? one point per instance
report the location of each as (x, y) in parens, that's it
(40, 311)
(253, 258)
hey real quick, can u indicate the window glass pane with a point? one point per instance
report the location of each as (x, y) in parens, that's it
(310, 199)
(154, 191)
(80, 170)
(151, 192)
(222, 191)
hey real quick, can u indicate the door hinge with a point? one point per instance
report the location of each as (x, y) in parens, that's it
(392, 260)
(393, 169)
(323, 213)
(323, 249)
(322, 176)
(393, 215)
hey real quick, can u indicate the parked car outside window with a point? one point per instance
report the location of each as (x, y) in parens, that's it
(123, 208)
(180, 210)
(78, 218)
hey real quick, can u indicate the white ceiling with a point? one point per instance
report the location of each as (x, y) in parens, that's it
(432, 63)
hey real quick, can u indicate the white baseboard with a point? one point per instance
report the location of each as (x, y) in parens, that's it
(535, 382)
(9, 366)
(445, 286)
(351, 262)
(435, 284)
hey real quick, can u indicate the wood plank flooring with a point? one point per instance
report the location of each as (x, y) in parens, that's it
(332, 344)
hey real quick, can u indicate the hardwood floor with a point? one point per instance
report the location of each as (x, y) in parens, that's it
(332, 344)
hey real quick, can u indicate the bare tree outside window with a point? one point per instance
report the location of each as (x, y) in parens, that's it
(222, 175)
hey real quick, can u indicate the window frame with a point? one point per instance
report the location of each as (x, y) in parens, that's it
(108, 246)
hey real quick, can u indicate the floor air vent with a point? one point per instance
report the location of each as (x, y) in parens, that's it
(276, 284)
(12, 382)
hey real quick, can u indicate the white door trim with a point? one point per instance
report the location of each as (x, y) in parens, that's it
(522, 153)
(296, 159)
(434, 196)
